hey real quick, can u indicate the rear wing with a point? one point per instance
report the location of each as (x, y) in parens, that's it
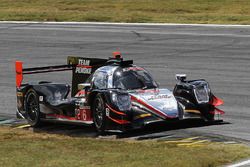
(81, 69)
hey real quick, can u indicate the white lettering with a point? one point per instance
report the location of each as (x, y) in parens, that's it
(107, 112)
(159, 97)
(81, 70)
(84, 62)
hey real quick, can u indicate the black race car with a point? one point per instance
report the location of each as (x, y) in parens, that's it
(112, 94)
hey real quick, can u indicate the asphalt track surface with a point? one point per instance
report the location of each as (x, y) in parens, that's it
(220, 54)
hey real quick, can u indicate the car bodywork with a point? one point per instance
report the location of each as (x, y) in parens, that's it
(112, 94)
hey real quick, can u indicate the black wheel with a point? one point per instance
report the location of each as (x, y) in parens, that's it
(99, 115)
(32, 108)
(209, 117)
(206, 112)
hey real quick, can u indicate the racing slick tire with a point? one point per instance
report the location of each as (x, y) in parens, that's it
(207, 115)
(99, 115)
(32, 108)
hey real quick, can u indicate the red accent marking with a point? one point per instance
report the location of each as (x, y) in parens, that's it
(19, 73)
(61, 116)
(119, 121)
(150, 107)
(83, 66)
(80, 93)
(117, 55)
(148, 91)
(135, 68)
(216, 101)
(115, 111)
(216, 110)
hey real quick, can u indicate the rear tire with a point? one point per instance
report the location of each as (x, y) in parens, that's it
(99, 115)
(32, 108)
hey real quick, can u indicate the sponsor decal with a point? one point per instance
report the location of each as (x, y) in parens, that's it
(148, 91)
(40, 98)
(132, 69)
(83, 67)
(155, 97)
(148, 106)
(19, 94)
(84, 62)
(107, 112)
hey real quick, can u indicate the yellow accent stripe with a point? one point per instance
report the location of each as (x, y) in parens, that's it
(142, 116)
(193, 111)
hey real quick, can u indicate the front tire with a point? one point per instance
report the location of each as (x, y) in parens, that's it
(99, 115)
(32, 108)
(206, 112)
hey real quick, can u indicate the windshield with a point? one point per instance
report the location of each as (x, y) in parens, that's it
(133, 78)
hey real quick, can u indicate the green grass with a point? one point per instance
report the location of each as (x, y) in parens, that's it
(25, 148)
(160, 11)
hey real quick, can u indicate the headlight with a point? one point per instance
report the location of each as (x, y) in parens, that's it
(122, 101)
(202, 92)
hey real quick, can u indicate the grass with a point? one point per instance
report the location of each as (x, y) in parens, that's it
(160, 11)
(25, 148)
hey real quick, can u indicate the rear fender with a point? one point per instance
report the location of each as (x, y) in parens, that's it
(47, 92)
(21, 94)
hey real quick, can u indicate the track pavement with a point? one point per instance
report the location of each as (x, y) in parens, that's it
(220, 54)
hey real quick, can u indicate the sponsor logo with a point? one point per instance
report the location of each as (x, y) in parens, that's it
(84, 62)
(83, 67)
(159, 97)
(132, 69)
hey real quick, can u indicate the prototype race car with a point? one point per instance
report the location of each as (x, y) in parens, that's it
(112, 94)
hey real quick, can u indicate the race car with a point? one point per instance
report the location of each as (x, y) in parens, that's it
(111, 94)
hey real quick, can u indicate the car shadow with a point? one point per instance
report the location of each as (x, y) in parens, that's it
(146, 132)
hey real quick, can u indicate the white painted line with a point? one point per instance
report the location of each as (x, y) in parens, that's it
(132, 24)
(247, 162)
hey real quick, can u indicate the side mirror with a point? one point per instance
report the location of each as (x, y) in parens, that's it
(180, 77)
(84, 86)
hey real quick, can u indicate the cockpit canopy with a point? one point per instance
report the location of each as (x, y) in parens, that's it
(133, 78)
(127, 78)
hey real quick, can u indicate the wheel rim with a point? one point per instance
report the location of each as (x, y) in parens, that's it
(32, 107)
(98, 114)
